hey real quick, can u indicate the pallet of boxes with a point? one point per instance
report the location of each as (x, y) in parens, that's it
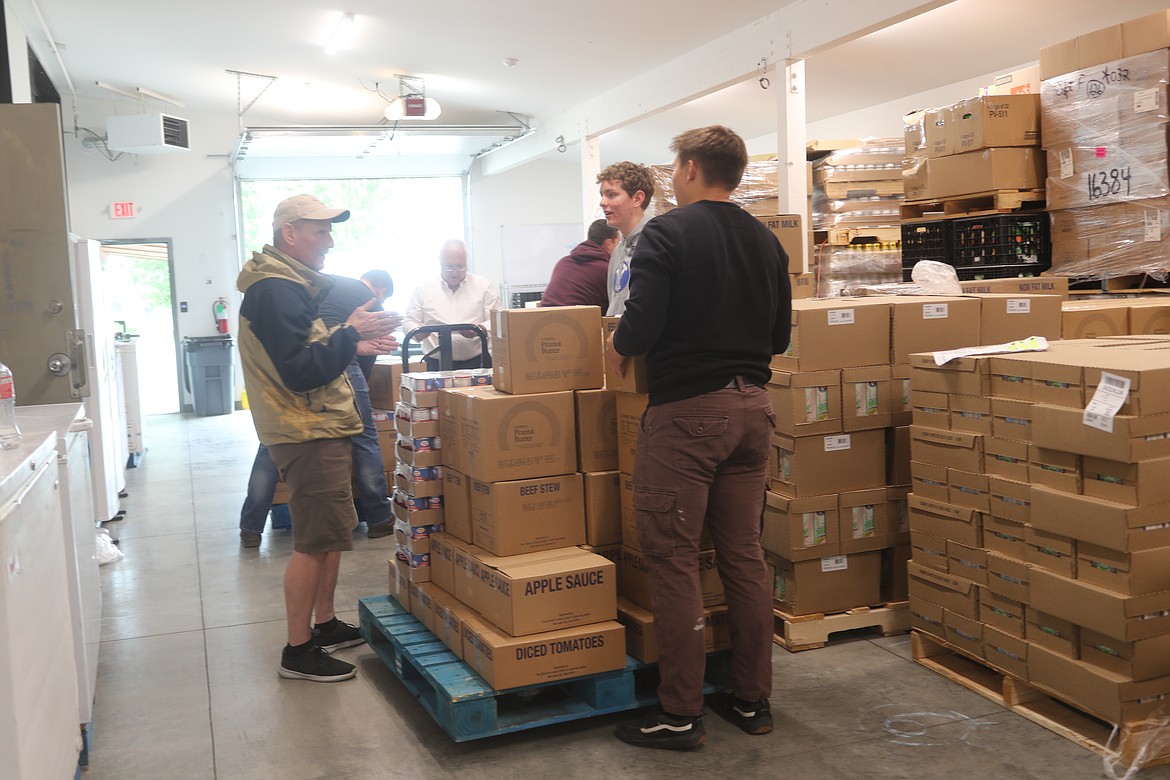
(974, 179)
(836, 519)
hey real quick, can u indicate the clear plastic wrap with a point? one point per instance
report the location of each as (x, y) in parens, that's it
(838, 269)
(1105, 132)
(758, 192)
(1114, 240)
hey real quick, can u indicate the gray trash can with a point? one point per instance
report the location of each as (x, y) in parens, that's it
(209, 375)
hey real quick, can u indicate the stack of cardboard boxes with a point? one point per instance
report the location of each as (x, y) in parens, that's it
(1037, 517)
(634, 606)
(1105, 121)
(511, 592)
(836, 512)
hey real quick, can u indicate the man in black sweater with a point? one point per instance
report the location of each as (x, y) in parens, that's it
(710, 303)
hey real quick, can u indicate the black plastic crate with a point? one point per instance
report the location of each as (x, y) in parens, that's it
(1002, 240)
(926, 240)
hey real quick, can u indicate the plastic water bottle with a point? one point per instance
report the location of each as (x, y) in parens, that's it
(9, 433)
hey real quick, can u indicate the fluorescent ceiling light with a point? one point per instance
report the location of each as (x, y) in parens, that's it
(341, 34)
(397, 109)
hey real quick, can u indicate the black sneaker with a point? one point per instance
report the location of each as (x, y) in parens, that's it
(341, 636)
(380, 530)
(316, 665)
(662, 731)
(752, 717)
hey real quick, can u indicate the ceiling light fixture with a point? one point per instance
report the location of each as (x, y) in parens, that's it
(341, 34)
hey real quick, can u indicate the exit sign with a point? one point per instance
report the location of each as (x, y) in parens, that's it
(122, 209)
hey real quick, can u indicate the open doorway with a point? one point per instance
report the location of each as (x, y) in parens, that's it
(139, 279)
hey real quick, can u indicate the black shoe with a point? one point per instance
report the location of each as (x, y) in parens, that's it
(662, 731)
(380, 530)
(341, 636)
(316, 665)
(752, 717)
(249, 539)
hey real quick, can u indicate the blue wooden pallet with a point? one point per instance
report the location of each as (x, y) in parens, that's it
(467, 708)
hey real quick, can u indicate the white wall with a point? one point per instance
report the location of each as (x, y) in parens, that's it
(17, 57)
(542, 192)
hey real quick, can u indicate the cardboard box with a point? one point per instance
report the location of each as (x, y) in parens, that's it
(1131, 573)
(972, 414)
(1009, 577)
(940, 141)
(801, 528)
(642, 641)
(929, 481)
(1005, 318)
(1007, 653)
(806, 403)
(597, 441)
(457, 505)
(927, 617)
(995, 120)
(443, 560)
(1132, 439)
(545, 350)
(1011, 377)
(1003, 536)
(930, 409)
(422, 604)
(510, 662)
(557, 589)
(961, 376)
(630, 408)
(946, 591)
(634, 380)
(789, 230)
(449, 616)
(866, 398)
(828, 584)
(803, 285)
(927, 323)
(1009, 499)
(946, 521)
(864, 520)
(929, 551)
(1140, 659)
(1056, 634)
(1003, 614)
(985, 171)
(953, 449)
(1096, 521)
(399, 583)
(898, 455)
(1035, 285)
(384, 380)
(898, 502)
(895, 581)
(964, 633)
(636, 578)
(900, 394)
(528, 515)
(1054, 468)
(1053, 552)
(603, 508)
(970, 563)
(818, 465)
(506, 436)
(968, 490)
(1134, 484)
(1097, 609)
(1081, 320)
(837, 333)
(1012, 419)
(1006, 458)
(1109, 696)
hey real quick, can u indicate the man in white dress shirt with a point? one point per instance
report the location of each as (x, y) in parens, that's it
(457, 296)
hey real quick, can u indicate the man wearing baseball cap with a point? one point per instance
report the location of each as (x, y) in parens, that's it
(304, 411)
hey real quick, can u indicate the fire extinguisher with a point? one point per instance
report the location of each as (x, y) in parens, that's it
(220, 308)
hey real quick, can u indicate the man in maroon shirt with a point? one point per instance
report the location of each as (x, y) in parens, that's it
(579, 277)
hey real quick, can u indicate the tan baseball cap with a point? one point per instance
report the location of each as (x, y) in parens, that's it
(305, 207)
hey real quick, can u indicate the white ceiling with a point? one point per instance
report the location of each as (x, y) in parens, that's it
(567, 54)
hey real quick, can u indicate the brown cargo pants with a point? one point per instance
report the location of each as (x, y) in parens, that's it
(705, 459)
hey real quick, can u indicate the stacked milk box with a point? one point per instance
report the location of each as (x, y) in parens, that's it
(634, 607)
(512, 592)
(1039, 537)
(418, 470)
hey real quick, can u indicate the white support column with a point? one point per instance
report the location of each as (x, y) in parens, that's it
(791, 143)
(590, 167)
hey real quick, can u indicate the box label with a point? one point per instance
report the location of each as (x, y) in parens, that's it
(1019, 306)
(834, 563)
(1153, 225)
(1111, 395)
(841, 316)
(1066, 163)
(837, 443)
(1145, 100)
(935, 311)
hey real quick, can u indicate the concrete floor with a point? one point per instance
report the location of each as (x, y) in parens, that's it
(193, 626)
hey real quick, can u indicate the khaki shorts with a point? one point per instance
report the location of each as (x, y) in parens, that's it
(319, 474)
